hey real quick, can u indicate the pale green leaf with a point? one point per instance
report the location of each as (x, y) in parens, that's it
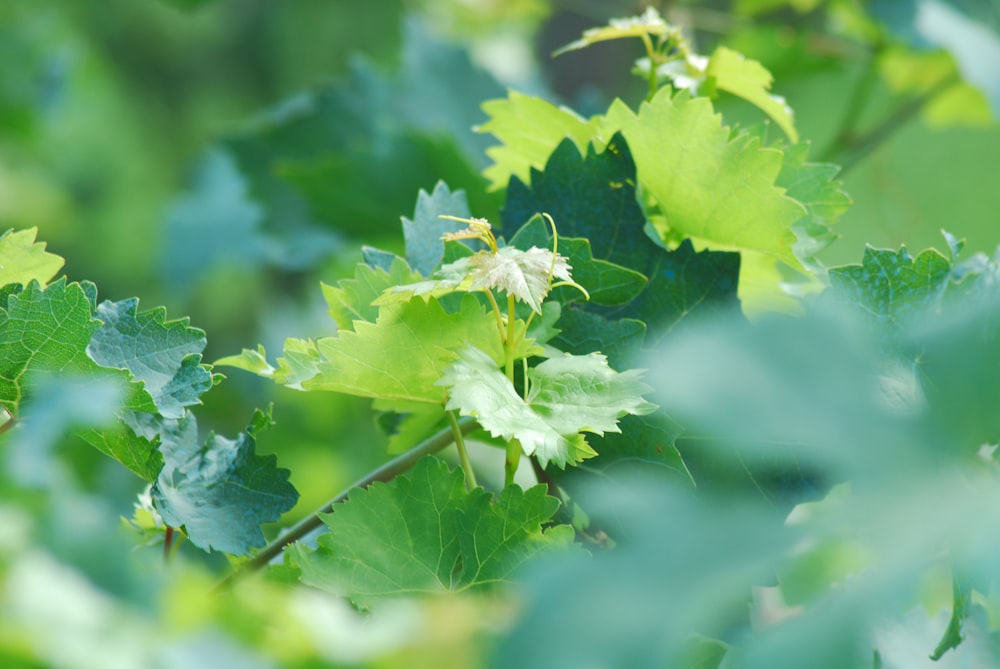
(709, 185)
(567, 395)
(648, 23)
(529, 129)
(351, 299)
(750, 80)
(403, 354)
(424, 533)
(22, 260)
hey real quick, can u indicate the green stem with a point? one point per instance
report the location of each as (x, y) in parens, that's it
(509, 344)
(386, 472)
(847, 131)
(498, 314)
(511, 462)
(651, 54)
(463, 453)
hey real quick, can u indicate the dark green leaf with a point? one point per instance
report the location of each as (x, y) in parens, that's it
(424, 247)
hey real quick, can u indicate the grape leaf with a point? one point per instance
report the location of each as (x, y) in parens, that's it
(606, 283)
(220, 492)
(424, 247)
(589, 196)
(43, 330)
(139, 455)
(424, 533)
(649, 23)
(22, 260)
(165, 356)
(402, 354)
(729, 71)
(567, 395)
(351, 299)
(594, 197)
(529, 129)
(814, 186)
(709, 186)
(891, 286)
(582, 332)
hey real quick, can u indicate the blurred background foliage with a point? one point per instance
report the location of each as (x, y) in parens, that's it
(220, 157)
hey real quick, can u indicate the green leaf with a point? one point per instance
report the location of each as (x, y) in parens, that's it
(220, 492)
(424, 533)
(43, 330)
(567, 395)
(892, 287)
(684, 286)
(606, 283)
(650, 23)
(594, 197)
(589, 196)
(23, 261)
(748, 79)
(403, 354)
(582, 332)
(351, 299)
(813, 185)
(136, 453)
(424, 247)
(165, 356)
(529, 129)
(710, 186)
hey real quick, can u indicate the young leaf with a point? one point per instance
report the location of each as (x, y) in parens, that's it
(22, 260)
(566, 396)
(424, 533)
(424, 248)
(165, 356)
(529, 129)
(748, 79)
(221, 492)
(403, 354)
(606, 283)
(351, 299)
(708, 185)
(649, 23)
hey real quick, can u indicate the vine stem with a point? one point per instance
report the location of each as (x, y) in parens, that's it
(463, 453)
(386, 472)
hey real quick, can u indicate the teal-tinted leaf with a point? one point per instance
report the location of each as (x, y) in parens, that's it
(892, 286)
(220, 492)
(606, 283)
(424, 533)
(165, 356)
(43, 330)
(22, 260)
(567, 395)
(351, 299)
(813, 185)
(424, 247)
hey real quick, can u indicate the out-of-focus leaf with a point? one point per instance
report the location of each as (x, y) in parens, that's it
(424, 533)
(731, 72)
(220, 492)
(22, 260)
(648, 24)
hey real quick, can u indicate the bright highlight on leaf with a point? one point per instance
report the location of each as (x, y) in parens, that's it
(566, 396)
(730, 71)
(22, 260)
